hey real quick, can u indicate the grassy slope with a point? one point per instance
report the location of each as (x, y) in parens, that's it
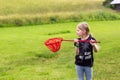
(30, 12)
(23, 55)
(30, 9)
(48, 6)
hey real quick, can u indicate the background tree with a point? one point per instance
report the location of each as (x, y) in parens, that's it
(107, 4)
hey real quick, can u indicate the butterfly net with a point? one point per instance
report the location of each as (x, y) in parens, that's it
(54, 44)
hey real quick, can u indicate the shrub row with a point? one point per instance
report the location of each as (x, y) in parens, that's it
(56, 18)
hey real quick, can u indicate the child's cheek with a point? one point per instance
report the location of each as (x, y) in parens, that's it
(79, 34)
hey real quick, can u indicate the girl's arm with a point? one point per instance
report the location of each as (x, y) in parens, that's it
(95, 46)
(76, 44)
(77, 50)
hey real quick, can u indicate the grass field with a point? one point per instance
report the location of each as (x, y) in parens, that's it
(23, 55)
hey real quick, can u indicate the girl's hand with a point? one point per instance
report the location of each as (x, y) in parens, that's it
(92, 42)
(76, 42)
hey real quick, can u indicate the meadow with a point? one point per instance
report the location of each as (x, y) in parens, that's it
(47, 6)
(35, 12)
(23, 55)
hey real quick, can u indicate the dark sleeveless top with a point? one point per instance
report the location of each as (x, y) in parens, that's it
(85, 57)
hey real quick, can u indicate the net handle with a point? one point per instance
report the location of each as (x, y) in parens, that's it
(82, 41)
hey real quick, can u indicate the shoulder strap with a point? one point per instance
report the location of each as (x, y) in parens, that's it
(90, 37)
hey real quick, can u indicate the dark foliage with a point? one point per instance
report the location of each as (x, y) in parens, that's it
(107, 4)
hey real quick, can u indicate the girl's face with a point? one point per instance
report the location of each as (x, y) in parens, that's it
(80, 31)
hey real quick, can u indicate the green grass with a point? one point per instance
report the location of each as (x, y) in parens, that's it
(23, 55)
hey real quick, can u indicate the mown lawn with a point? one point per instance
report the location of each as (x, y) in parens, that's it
(23, 55)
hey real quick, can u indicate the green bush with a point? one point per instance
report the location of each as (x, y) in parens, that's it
(107, 4)
(57, 18)
(103, 16)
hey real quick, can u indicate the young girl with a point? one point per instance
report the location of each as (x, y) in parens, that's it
(84, 52)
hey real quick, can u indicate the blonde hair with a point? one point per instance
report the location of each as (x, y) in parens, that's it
(84, 26)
